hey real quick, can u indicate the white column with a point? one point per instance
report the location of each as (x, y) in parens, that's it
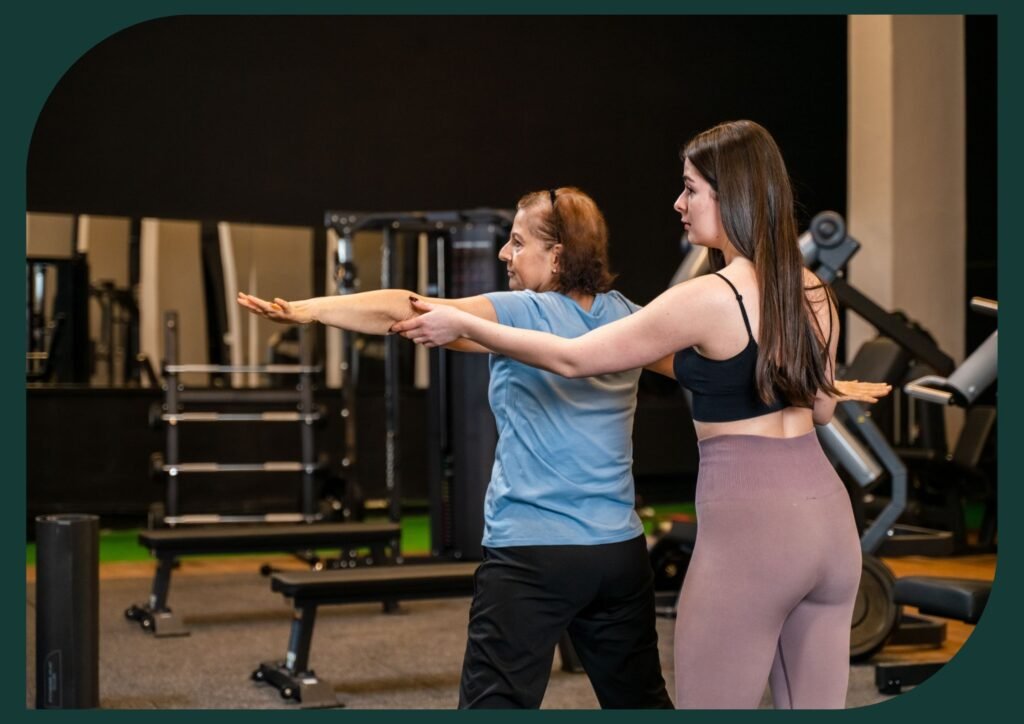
(906, 186)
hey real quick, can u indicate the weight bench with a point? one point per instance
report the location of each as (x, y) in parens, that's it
(167, 545)
(309, 589)
(957, 598)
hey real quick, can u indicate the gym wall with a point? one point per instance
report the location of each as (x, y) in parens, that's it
(273, 120)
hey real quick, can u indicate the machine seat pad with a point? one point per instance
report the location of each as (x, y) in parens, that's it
(958, 598)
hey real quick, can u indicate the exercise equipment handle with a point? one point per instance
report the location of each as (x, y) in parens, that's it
(929, 389)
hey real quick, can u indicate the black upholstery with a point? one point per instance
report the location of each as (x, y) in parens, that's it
(265, 537)
(958, 598)
(351, 585)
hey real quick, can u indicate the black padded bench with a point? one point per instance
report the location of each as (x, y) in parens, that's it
(168, 544)
(308, 589)
(957, 598)
(410, 581)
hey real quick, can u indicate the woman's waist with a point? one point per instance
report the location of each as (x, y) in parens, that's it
(789, 422)
(556, 492)
(514, 521)
(551, 464)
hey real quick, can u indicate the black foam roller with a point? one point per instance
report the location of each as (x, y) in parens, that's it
(67, 612)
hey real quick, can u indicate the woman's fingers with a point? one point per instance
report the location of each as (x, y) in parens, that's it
(418, 337)
(407, 325)
(270, 310)
(251, 302)
(260, 304)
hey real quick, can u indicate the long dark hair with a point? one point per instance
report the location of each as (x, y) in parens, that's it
(743, 165)
(569, 217)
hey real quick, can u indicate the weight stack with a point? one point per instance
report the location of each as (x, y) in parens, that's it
(67, 612)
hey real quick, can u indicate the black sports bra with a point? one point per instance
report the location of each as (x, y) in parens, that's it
(724, 390)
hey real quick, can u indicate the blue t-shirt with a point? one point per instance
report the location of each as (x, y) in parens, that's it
(563, 465)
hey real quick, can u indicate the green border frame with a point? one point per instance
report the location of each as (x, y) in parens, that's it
(42, 40)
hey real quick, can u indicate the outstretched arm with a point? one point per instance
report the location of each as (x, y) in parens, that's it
(680, 317)
(367, 312)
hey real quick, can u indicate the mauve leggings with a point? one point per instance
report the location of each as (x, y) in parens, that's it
(769, 592)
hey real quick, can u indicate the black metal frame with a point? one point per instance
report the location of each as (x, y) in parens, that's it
(67, 358)
(458, 383)
(175, 395)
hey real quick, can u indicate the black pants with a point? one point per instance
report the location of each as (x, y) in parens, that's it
(526, 596)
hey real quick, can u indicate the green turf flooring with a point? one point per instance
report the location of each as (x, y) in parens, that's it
(123, 545)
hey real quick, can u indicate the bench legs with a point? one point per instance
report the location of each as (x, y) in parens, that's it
(891, 678)
(293, 678)
(155, 616)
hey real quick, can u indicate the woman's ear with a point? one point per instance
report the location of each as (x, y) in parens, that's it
(556, 258)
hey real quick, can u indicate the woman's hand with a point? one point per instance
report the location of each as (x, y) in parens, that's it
(858, 391)
(279, 310)
(435, 325)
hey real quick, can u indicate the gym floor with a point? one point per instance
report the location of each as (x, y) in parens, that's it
(408, 660)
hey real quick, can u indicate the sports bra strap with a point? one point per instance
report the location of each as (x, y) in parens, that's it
(739, 298)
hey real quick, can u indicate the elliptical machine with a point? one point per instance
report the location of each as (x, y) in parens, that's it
(961, 599)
